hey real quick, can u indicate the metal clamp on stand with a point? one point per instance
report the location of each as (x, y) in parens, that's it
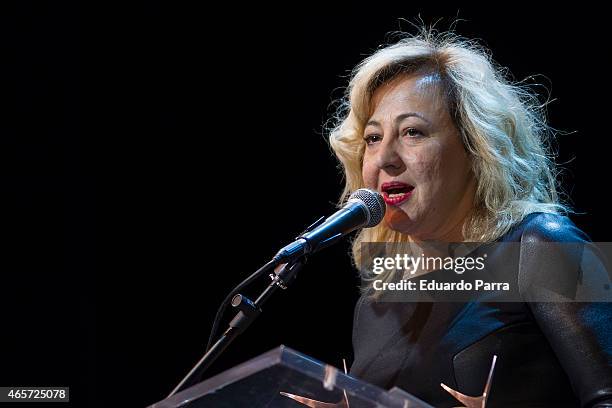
(287, 274)
(247, 313)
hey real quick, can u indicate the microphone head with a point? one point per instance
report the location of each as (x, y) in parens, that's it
(373, 202)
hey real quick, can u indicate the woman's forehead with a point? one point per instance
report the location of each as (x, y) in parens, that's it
(421, 91)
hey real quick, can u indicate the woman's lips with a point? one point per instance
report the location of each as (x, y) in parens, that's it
(395, 192)
(397, 199)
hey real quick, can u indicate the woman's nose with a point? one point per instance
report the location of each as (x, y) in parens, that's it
(388, 158)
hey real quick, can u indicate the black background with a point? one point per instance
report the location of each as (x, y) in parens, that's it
(153, 159)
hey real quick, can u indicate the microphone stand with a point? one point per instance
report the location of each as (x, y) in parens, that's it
(248, 311)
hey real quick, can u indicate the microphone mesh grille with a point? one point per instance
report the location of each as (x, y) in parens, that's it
(374, 202)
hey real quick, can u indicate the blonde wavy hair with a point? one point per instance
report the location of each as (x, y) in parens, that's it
(502, 125)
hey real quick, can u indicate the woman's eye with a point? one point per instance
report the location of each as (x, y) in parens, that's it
(412, 132)
(372, 139)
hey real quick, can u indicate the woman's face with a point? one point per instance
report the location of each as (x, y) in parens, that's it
(414, 156)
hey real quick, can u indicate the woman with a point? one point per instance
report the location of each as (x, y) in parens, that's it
(459, 154)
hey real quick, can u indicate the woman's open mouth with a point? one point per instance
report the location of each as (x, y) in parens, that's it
(395, 192)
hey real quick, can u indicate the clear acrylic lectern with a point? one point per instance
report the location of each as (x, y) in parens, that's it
(282, 377)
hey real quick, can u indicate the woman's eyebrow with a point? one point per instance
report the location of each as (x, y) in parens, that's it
(399, 118)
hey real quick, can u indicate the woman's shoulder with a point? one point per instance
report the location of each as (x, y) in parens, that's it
(559, 262)
(546, 227)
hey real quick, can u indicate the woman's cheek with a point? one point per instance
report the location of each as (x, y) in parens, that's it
(369, 175)
(426, 165)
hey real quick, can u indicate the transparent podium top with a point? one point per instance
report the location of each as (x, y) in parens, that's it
(282, 377)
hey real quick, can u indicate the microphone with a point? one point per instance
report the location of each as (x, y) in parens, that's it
(364, 209)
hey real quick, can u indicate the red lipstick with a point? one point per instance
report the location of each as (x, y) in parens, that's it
(396, 192)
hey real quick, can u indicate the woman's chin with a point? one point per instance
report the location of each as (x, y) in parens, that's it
(397, 220)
